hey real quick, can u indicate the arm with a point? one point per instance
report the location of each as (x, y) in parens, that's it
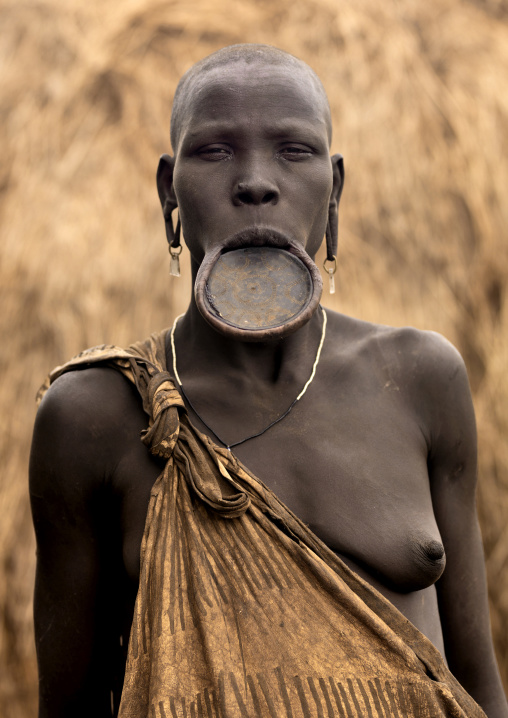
(462, 590)
(69, 460)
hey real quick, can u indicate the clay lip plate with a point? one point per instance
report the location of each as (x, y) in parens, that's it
(256, 293)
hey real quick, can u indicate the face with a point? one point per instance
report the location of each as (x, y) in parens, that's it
(253, 154)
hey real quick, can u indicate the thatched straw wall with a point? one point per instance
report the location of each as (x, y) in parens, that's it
(419, 93)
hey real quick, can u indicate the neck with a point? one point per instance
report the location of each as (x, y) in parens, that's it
(201, 349)
(222, 371)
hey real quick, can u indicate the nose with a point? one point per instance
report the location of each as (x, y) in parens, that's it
(255, 190)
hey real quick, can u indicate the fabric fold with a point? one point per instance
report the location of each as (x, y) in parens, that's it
(203, 469)
(164, 402)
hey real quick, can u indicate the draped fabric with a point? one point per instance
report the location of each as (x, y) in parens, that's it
(241, 610)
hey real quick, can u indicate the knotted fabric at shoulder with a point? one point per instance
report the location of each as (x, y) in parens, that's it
(164, 402)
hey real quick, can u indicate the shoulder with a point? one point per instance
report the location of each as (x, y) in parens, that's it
(416, 355)
(88, 400)
(82, 424)
(424, 368)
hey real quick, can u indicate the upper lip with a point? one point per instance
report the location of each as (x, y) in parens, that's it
(257, 237)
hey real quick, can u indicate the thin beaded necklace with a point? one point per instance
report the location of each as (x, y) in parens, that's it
(276, 421)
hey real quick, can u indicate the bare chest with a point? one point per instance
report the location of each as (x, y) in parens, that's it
(355, 471)
(357, 475)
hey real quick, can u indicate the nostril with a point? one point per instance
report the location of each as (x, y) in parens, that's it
(254, 195)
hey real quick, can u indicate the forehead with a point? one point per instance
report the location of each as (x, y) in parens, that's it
(255, 93)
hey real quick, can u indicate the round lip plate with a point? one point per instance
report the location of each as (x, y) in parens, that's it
(266, 333)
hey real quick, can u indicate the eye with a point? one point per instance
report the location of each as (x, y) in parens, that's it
(215, 153)
(295, 153)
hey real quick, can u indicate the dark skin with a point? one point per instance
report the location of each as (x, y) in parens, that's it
(378, 458)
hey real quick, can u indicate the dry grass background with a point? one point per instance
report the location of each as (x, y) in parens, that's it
(419, 94)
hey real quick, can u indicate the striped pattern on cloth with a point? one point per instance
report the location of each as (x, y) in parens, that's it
(241, 610)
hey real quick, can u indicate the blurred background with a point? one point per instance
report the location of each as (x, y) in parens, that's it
(419, 96)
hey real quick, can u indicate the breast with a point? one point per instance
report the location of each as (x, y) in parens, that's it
(403, 560)
(380, 516)
(417, 560)
(369, 499)
(382, 520)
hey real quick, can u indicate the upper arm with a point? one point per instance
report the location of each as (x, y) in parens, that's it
(452, 462)
(69, 464)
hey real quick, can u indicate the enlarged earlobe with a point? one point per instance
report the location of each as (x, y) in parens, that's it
(167, 197)
(332, 228)
(338, 177)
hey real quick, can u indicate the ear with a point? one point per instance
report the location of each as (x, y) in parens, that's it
(332, 230)
(167, 194)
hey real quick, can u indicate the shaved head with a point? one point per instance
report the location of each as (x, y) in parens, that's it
(247, 54)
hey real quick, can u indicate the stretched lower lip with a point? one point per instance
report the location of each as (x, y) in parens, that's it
(255, 237)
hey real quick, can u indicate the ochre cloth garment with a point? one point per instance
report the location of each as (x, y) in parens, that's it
(241, 610)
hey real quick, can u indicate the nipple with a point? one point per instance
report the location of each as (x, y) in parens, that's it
(430, 560)
(434, 550)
